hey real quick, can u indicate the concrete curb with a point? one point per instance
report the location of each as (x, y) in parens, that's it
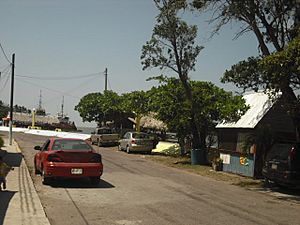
(23, 204)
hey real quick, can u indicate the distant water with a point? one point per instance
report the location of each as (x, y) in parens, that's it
(86, 130)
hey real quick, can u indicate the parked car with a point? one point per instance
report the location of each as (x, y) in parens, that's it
(104, 136)
(67, 157)
(171, 137)
(282, 164)
(136, 141)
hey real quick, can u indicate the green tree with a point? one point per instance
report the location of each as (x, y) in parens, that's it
(136, 103)
(213, 105)
(100, 108)
(272, 22)
(4, 109)
(172, 46)
(275, 25)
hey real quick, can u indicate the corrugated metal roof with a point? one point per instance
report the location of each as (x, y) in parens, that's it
(259, 105)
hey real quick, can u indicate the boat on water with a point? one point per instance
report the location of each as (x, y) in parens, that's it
(45, 122)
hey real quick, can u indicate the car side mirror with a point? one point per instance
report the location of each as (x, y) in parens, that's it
(37, 148)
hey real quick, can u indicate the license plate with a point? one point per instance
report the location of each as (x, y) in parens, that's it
(274, 166)
(76, 171)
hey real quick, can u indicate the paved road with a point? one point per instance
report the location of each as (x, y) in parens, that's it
(135, 191)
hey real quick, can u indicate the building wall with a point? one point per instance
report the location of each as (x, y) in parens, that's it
(281, 124)
(231, 141)
(238, 163)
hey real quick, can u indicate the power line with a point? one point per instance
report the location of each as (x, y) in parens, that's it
(71, 90)
(59, 78)
(62, 92)
(5, 71)
(4, 53)
(5, 66)
(49, 89)
(7, 78)
(109, 85)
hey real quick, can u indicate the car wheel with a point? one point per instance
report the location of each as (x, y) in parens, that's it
(95, 180)
(127, 149)
(45, 180)
(150, 152)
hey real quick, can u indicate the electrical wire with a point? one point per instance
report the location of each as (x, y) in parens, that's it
(5, 66)
(5, 71)
(49, 89)
(71, 90)
(5, 83)
(4, 53)
(58, 78)
(109, 84)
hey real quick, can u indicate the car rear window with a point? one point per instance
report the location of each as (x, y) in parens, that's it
(140, 136)
(280, 151)
(70, 145)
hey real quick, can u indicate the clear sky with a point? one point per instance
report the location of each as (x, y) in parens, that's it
(62, 48)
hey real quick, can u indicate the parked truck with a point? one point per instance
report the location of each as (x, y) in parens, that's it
(104, 136)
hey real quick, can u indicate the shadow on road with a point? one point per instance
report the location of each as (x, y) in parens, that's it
(80, 183)
(5, 197)
(283, 193)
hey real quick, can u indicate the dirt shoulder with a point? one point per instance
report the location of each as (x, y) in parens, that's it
(184, 163)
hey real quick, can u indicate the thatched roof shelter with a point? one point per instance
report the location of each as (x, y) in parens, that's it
(149, 122)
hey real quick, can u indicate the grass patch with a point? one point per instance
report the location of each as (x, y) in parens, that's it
(171, 157)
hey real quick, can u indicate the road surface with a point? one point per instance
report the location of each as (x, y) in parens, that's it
(135, 191)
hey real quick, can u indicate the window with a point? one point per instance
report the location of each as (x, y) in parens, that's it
(70, 145)
(46, 146)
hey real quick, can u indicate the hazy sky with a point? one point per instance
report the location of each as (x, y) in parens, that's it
(62, 48)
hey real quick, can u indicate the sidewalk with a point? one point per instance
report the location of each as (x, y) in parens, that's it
(19, 203)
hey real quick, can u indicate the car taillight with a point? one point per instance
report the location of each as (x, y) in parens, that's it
(133, 141)
(96, 159)
(54, 158)
(293, 152)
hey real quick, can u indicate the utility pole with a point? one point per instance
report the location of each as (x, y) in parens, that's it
(11, 98)
(105, 74)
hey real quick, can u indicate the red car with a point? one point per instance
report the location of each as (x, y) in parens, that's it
(67, 157)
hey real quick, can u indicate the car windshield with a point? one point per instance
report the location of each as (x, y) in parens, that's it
(70, 145)
(140, 136)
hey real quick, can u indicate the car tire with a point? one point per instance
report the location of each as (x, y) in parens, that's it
(150, 152)
(45, 180)
(127, 149)
(95, 180)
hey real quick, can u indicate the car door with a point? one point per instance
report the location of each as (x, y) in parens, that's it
(42, 154)
(124, 140)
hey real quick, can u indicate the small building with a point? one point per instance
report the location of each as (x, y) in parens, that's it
(263, 113)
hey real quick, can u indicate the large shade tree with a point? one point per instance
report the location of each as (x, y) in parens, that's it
(213, 105)
(172, 46)
(136, 103)
(99, 108)
(275, 24)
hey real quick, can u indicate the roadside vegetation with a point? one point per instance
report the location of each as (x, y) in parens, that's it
(193, 108)
(172, 157)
